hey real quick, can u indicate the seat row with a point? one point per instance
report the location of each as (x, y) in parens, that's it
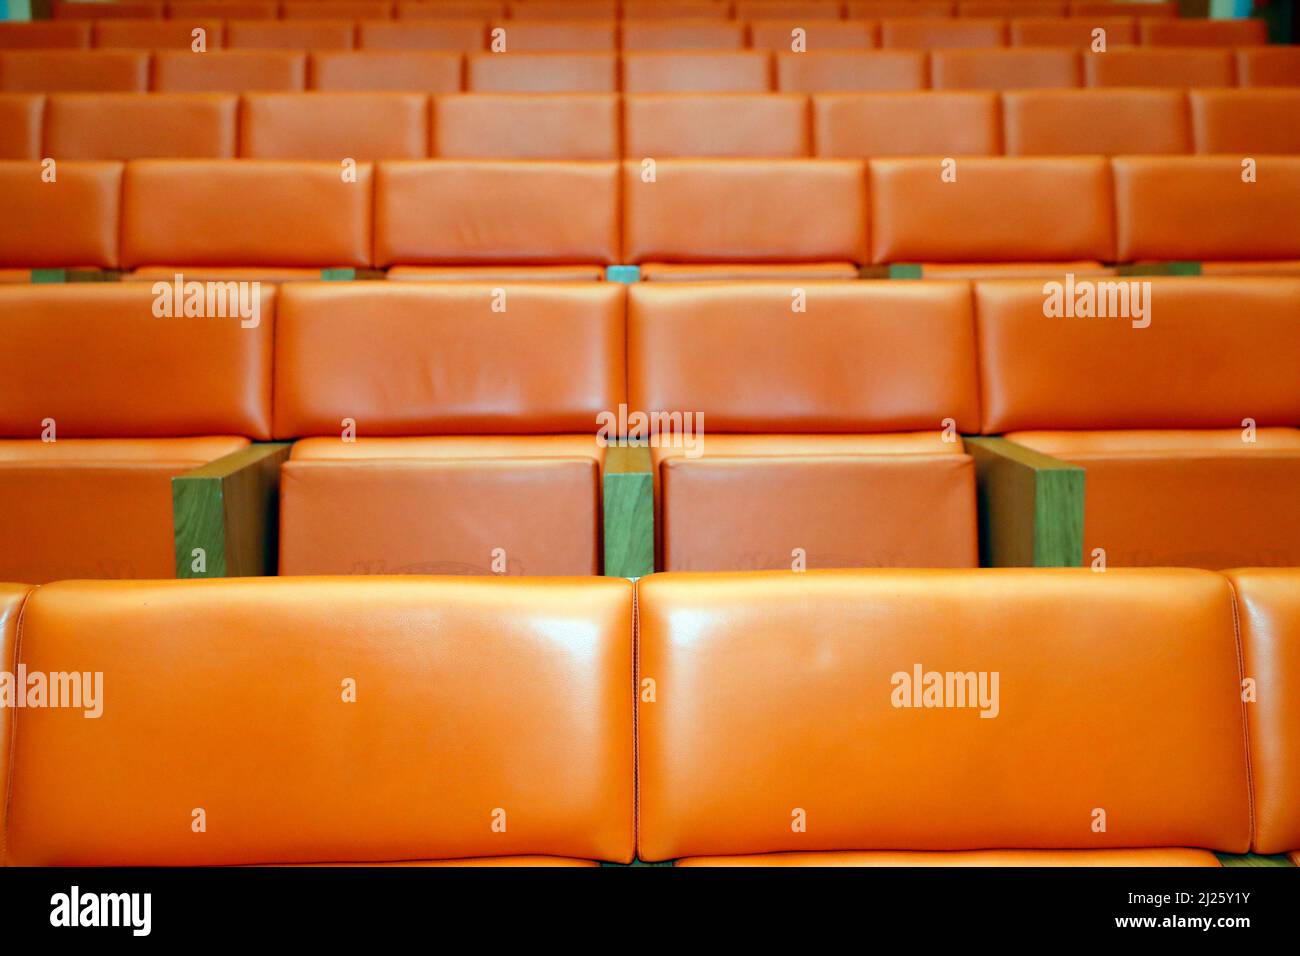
(782, 219)
(578, 428)
(739, 71)
(575, 127)
(887, 718)
(333, 31)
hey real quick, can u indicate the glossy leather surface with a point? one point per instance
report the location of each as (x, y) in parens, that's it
(20, 125)
(12, 598)
(850, 71)
(1160, 67)
(124, 126)
(542, 73)
(333, 126)
(382, 71)
(74, 71)
(229, 71)
(1160, 857)
(1005, 69)
(72, 221)
(863, 125)
(726, 71)
(735, 125)
(1245, 122)
(1105, 121)
(575, 126)
(1071, 31)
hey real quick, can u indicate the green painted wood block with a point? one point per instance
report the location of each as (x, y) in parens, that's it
(229, 508)
(1030, 506)
(629, 512)
(905, 270)
(46, 276)
(629, 275)
(1159, 269)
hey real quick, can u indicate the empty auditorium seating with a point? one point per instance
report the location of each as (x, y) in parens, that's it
(360, 126)
(233, 71)
(735, 219)
(824, 427)
(475, 426)
(1246, 122)
(1004, 69)
(664, 34)
(159, 34)
(69, 222)
(900, 8)
(840, 71)
(564, 10)
(937, 34)
(1268, 66)
(462, 35)
(71, 71)
(542, 73)
(21, 116)
(1011, 8)
(1187, 33)
(770, 663)
(289, 35)
(451, 9)
(1072, 31)
(141, 125)
(734, 71)
(129, 9)
(387, 71)
(45, 35)
(779, 35)
(1160, 67)
(863, 125)
(1173, 476)
(178, 392)
(675, 9)
(724, 125)
(1100, 121)
(224, 9)
(1117, 8)
(519, 693)
(575, 126)
(554, 36)
(336, 10)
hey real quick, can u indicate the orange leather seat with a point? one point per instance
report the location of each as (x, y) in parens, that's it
(862, 125)
(726, 71)
(224, 9)
(450, 9)
(96, 502)
(235, 71)
(293, 218)
(1221, 33)
(1102, 122)
(336, 10)
(466, 443)
(769, 662)
(333, 126)
(290, 35)
(451, 213)
(1012, 8)
(21, 117)
(1269, 608)
(1199, 208)
(128, 9)
(1170, 475)
(542, 73)
(786, 9)
(922, 33)
(1246, 122)
(574, 126)
(675, 10)
(1072, 31)
(1159, 67)
(735, 125)
(517, 691)
(1162, 857)
(1044, 214)
(811, 438)
(1005, 69)
(462, 36)
(1116, 8)
(45, 35)
(564, 10)
(72, 222)
(839, 71)
(911, 9)
(157, 34)
(141, 125)
(74, 71)
(1268, 66)
(386, 71)
(558, 36)
(776, 35)
(668, 34)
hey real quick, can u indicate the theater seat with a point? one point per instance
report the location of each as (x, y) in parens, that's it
(812, 684)
(1152, 66)
(1104, 122)
(1193, 32)
(1044, 68)
(466, 441)
(290, 35)
(1159, 857)
(812, 439)
(128, 9)
(923, 33)
(45, 35)
(1173, 475)
(734, 125)
(1089, 9)
(74, 71)
(21, 117)
(224, 9)
(1246, 122)
(573, 126)
(731, 219)
(863, 125)
(889, 9)
(1268, 66)
(461, 36)
(450, 9)
(334, 126)
(229, 71)
(685, 34)
(839, 71)
(129, 126)
(158, 34)
(1072, 31)
(727, 71)
(1012, 8)
(817, 35)
(385, 71)
(179, 392)
(518, 692)
(336, 10)
(557, 36)
(70, 223)
(542, 73)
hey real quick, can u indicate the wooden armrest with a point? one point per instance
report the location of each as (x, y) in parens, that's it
(629, 512)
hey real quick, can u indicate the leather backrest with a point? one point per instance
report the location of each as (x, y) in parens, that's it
(745, 211)
(890, 9)
(675, 10)
(454, 358)
(863, 357)
(97, 359)
(21, 120)
(180, 212)
(697, 71)
(517, 691)
(74, 71)
(736, 125)
(542, 73)
(556, 36)
(1099, 122)
(1005, 69)
(1202, 32)
(564, 10)
(1246, 122)
(229, 71)
(380, 71)
(1159, 67)
(128, 9)
(789, 714)
(996, 210)
(1072, 31)
(224, 9)
(1268, 607)
(768, 9)
(1217, 350)
(1200, 207)
(158, 34)
(336, 10)
(685, 34)
(12, 599)
(141, 125)
(70, 222)
(450, 9)
(290, 34)
(845, 71)
(862, 125)
(465, 36)
(930, 33)
(779, 36)
(1012, 8)
(1118, 8)
(1268, 66)
(45, 35)
(465, 212)
(572, 126)
(334, 126)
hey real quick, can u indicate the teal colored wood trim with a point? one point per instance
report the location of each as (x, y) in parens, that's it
(1030, 506)
(629, 512)
(1159, 269)
(49, 276)
(630, 275)
(338, 275)
(905, 270)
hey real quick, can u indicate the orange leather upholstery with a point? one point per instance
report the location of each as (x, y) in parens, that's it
(21, 116)
(229, 71)
(692, 34)
(997, 210)
(463, 36)
(449, 212)
(71, 71)
(575, 126)
(1245, 122)
(1198, 207)
(789, 403)
(736, 125)
(1268, 66)
(45, 35)
(1117, 8)
(1072, 31)
(810, 9)
(556, 36)
(295, 214)
(1011, 8)
(157, 34)
(1159, 67)
(979, 858)
(290, 35)
(935, 34)
(141, 125)
(454, 9)
(888, 9)
(847, 72)
(12, 598)
(333, 126)
(776, 35)
(336, 10)
(1191, 32)
(136, 9)
(727, 71)
(744, 211)
(862, 125)
(1268, 602)
(1100, 122)
(770, 662)
(71, 222)
(1005, 69)
(564, 10)
(224, 9)
(518, 692)
(674, 10)
(542, 73)
(387, 71)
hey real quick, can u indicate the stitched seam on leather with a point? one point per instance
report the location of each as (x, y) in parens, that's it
(1245, 719)
(12, 742)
